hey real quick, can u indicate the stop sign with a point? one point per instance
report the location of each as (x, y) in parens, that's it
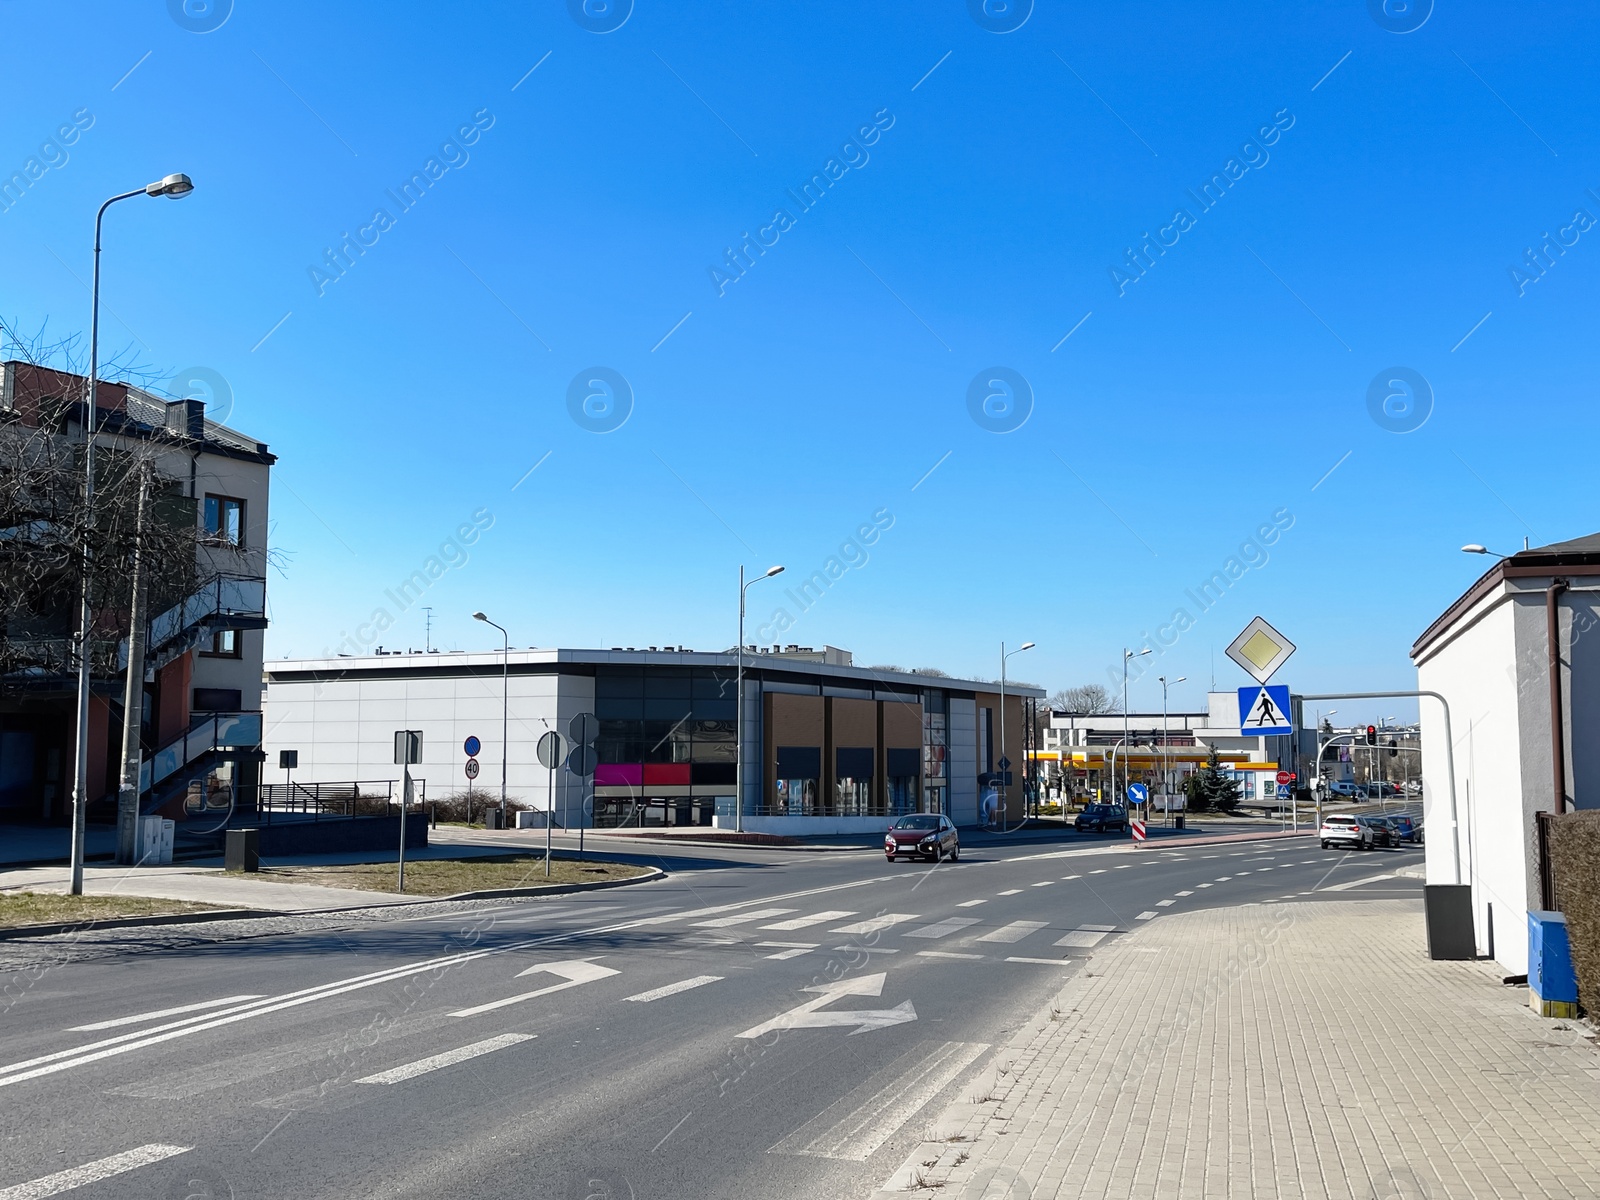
(1284, 778)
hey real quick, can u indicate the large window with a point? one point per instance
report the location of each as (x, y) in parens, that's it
(225, 643)
(225, 521)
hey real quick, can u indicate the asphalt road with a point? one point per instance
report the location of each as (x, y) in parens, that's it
(759, 1024)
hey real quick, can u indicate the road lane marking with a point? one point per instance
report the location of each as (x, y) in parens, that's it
(949, 954)
(741, 918)
(1355, 883)
(1013, 932)
(1202, 885)
(788, 945)
(971, 903)
(1010, 892)
(833, 914)
(1147, 914)
(1082, 938)
(1098, 871)
(1125, 866)
(437, 1062)
(1044, 962)
(1183, 893)
(856, 1127)
(1044, 883)
(140, 1018)
(795, 952)
(672, 989)
(943, 928)
(1222, 879)
(101, 1168)
(575, 973)
(1064, 878)
(874, 924)
(1164, 903)
(869, 949)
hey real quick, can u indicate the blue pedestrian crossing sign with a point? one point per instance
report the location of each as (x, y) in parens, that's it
(1138, 793)
(1264, 709)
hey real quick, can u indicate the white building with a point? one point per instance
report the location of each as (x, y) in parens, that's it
(1519, 746)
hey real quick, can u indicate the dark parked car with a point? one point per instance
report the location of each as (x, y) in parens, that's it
(925, 835)
(1102, 817)
(1405, 829)
(1383, 834)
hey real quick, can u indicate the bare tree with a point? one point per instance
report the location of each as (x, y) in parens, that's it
(1087, 699)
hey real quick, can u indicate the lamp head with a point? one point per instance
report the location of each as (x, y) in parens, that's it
(1025, 646)
(478, 616)
(771, 571)
(174, 187)
(1474, 548)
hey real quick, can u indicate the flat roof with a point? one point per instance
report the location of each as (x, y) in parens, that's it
(546, 660)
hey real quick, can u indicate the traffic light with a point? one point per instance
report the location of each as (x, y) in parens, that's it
(1372, 735)
(1393, 752)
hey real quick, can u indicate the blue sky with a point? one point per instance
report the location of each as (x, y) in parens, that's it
(771, 416)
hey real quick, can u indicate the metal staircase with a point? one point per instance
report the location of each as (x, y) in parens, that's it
(222, 602)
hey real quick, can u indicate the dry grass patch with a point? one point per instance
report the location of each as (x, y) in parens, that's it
(448, 876)
(44, 908)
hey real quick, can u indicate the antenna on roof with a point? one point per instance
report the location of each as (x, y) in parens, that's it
(427, 636)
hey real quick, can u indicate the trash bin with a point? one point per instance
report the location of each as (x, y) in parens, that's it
(1177, 821)
(243, 850)
(491, 819)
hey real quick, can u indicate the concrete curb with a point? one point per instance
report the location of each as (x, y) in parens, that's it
(243, 914)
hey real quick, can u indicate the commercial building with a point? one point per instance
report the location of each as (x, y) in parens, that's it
(201, 722)
(829, 747)
(1517, 660)
(1080, 753)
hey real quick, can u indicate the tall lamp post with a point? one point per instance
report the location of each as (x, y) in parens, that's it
(738, 715)
(1166, 780)
(1005, 791)
(1126, 655)
(174, 187)
(505, 717)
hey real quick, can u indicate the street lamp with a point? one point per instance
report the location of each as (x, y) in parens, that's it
(505, 720)
(738, 716)
(1126, 655)
(1166, 781)
(175, 187)
(1005, 793)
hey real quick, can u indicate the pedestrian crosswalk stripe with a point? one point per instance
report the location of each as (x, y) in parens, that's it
(1013, 932)
(837, 914)
(943, 928)
(1082, 938)
(449, 1058)
(1183, 893)
(1010, 892)
(742, 918)
(949, 954)
(1147, 914)
(873, 924)
(1164, 903)
(796, 952)
(1043, 962)
(672, 989)
(971, 903)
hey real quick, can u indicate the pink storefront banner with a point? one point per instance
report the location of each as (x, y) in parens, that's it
(619, 775)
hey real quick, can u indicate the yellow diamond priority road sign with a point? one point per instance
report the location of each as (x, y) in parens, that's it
(1260, 650)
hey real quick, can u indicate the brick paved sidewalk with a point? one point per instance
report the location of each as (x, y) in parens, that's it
(1269, 1051)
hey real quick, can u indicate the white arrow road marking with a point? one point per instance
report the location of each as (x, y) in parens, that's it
(807, 1016)
(101, 1168)
(139, 1018)
(672, 989)
(449, 1058)
(576, 972)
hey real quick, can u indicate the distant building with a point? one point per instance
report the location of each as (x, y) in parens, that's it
(829, 747)
(1520, 746)
(201, 727)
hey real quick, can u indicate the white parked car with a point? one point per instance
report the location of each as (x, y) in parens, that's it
(1347, 830)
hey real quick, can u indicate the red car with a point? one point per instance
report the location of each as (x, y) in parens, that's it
(924, 835)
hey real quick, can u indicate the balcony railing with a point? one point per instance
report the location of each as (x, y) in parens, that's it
(224, 596)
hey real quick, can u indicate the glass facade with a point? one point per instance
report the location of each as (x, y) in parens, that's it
(666, 744)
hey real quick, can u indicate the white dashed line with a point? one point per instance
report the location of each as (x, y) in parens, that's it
(1164, 903)
(1147, 914)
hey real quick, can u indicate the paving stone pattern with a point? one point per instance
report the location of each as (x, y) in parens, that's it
(1267, 1051)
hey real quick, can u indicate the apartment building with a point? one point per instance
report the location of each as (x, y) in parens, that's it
(201, 719)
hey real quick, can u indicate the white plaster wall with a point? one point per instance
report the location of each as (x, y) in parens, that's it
(962, 732)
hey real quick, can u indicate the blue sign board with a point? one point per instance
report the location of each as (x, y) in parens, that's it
(472, 745)
(1283, 791)
(1264, 709)
(1138, 793)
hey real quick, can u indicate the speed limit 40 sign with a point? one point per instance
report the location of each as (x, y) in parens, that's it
(472, 768)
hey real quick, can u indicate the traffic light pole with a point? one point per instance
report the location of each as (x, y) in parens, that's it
(1449, 757)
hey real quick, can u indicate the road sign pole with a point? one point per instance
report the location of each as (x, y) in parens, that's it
(405, 794)
(549, 815)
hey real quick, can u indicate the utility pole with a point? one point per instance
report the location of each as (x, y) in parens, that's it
(133, 691)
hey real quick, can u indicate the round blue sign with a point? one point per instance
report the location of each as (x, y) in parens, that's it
(472, 745)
